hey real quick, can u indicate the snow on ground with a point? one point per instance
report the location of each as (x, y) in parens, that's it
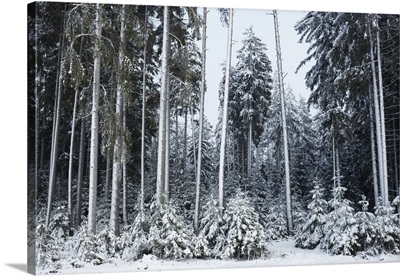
(282, 253)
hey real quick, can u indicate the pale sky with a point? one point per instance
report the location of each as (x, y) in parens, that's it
(263, 26)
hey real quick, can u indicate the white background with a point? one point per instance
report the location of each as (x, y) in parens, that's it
(13, 146)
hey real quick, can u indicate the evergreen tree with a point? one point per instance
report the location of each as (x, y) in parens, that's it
(312, 231)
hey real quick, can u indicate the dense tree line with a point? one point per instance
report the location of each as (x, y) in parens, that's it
(122, 161)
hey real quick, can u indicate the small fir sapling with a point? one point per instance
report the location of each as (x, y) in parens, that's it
(243, 235)
(341, 229)
(210, 229)
(169, 236)
(312, 231)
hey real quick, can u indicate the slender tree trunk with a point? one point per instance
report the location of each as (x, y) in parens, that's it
(243, 159)
(194, 141)
(71, 157)
(221, 174)
(377, 117)
(94, 142)
(284, 128)
(177, 145)
(37, 81)
(167, 141)
(55, 136)
(142, 150)
(108, 169)
(334, 160)
(385, 191)
(162, 112)
(373, 157)
(396, 165)
(118, 146)
(109, 149)
(249, 152)
(201, 115)
(184, 148)
(72, 144)
(338, 176)
(41, 154)
(124, 157)
(78, 213)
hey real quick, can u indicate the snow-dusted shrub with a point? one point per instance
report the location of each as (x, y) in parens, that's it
(135, 239)
(87, 247)
(388, 228)
(59, 225)
(108, 243)
(48, 248)
(367, 228)
(169, 236)
(341, 229)
(50, 241)
(275, 222)
(242, 234)
(312, 231)
(210, 222)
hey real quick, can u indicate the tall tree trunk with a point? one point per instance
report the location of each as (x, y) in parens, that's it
(37, 121)
(385, 191)
(71, 153)
(221, 174)
(78, 212)
(194, 142)
(338, 176)
(167, 140)
(395, 165)
(142, 149)
(334, 161)
(55, 135)
(284, 128)
(373, 157)
(124, 157)
(72, 143)
(377, 117)
(162, 112)
(177, 145)
(94, 142)
(184, 148)
(201, 115)
(118, 146)
(249, 152)
(109, 152)
(108, 169)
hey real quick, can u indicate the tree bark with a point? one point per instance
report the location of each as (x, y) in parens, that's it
(94, 142)
(221, 174)
(184, 149)
(284, 128)
(78, 213)
(118, 146)
(167, 140)
(162, 112)
(201, 115)
(55, 135)
(377, 117)
(373, 157)
(124, 157)
(142, 149)
(71, 153)
(194, 142)
(385, 191)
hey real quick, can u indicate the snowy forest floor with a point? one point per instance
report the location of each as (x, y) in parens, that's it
(281, 253)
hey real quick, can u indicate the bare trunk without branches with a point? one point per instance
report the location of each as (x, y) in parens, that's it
(94, 142)
(221, 174)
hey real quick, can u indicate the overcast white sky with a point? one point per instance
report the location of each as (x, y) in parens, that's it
(263, 26)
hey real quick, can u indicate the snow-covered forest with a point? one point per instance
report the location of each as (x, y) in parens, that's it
(124, 166)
